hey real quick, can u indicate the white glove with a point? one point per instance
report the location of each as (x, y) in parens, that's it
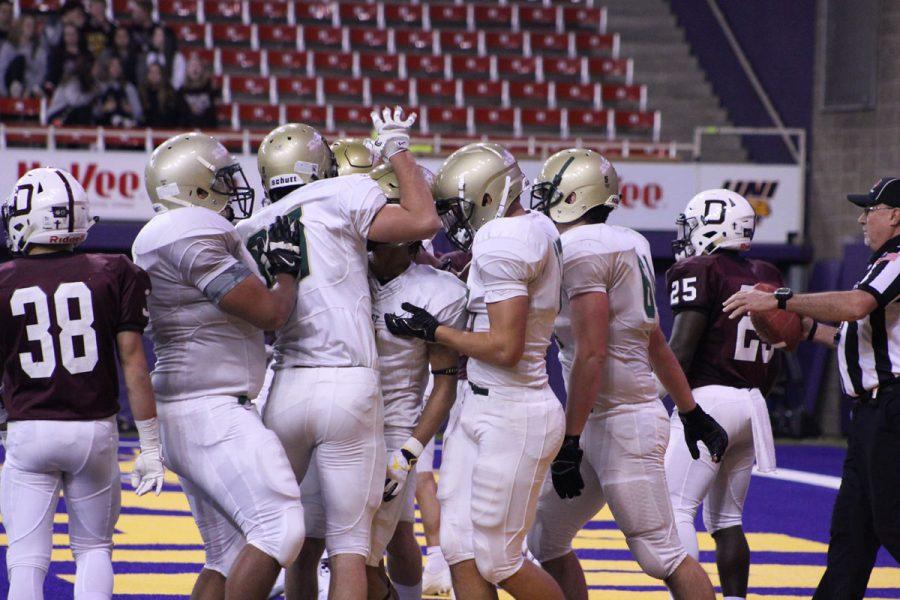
(148, 471)
(400, 463)
(391, 131)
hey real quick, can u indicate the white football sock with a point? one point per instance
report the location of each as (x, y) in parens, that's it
(733, 598)
(409, 592)
(26, 583)
(93, 575)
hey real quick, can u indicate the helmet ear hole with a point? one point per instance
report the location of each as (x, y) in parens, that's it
(486, 200)
(570, 199)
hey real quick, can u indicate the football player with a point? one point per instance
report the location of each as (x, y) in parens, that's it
(325, 401)
(394, 278)
(353, 155)
(208, 311)
(729, 369)
(511, 423)
(609, 339)
(65, 317)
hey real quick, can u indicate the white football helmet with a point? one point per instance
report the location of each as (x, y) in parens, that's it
(47, 206)
(713, 220)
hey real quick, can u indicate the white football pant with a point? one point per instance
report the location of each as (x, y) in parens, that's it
(624, 451)
(332, 418)
(494, 463)
(722, 487)
(42, 457)
(401, 508)
(236, 477)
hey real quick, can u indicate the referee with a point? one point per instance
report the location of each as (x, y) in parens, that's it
(867, 509)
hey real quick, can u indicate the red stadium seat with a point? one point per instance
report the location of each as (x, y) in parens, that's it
(403, 15)
(590, 122)
(316, 116)
(412, 40)
(355, 118)
(596, 44)
(277, 11)
(206, 55)
(541, 120)
(319, 13)
(444, 16)
(638, 122)
(290, 62)
(423, 65)
(517, 68)
(333, 63)
(538, 17)
(379, 65)
(75, 139)
(546, 42)
(292, 89)
(618, 69)
(262, 116)
(584, 17)
(228, 11)
(252, 88)
(436, 91)
(445, 119)
(179, 10)
(341, 89)
(189, 34)
(120, 8)
(528, 93)
(359, 14)
(362, 38)
(225, 113)
(492, 16)
(23, 110)
(240, 60)
(459, 42)
(40, 7)
(390, 91)
(504, 42)
(625, 95)
(278, 36)
(232, 34)
(494, 119)
(577, 95)
(470, 67)
(317, 37)
(484, 92)
(124, 140)
(563, 69)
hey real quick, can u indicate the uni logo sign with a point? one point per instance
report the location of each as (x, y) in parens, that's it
(758, 193)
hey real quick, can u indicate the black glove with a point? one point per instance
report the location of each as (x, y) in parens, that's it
(699, 426)
(566, 469)
(285, 247)
(420, 324)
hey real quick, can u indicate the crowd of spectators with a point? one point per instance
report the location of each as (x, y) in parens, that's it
(96, 71)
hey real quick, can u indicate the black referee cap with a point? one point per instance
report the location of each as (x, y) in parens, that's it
(885, 191)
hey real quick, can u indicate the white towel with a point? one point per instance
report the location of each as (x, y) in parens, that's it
(763, 442)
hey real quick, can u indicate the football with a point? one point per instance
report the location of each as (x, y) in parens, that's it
(780, 328)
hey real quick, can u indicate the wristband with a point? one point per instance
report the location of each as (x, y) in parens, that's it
(413, 446)
(148, 434)
(447, 371)
(571, 440)
(812, 331)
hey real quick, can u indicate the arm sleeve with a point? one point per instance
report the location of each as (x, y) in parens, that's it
(134, 284)
(506, 266)
(883, 280)
(585, 270)
(364, 201)
(691, 286)
(208, 264)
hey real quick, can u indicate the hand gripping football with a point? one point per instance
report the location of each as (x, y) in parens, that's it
(780, 328)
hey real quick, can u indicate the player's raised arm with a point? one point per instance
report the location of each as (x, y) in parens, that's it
(415, 217)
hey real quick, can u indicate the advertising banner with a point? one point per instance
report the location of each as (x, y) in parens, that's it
(653, 194)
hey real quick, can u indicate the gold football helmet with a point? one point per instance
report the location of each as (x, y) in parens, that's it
(477, 183)
(194, 169)
(353, 156)
(386, 179)
(572, 182)
(293, 155)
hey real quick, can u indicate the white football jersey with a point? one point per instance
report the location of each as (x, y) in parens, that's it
(404, 361)
(200, 350)
(516, 256)
(331, 325)
(615, 260)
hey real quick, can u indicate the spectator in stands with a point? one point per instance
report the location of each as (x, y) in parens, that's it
(197, 97)
(70, 49)
(118, 103)
(158, 99)
(99, 29)
(70, 13)
(142, 25)
(73, 99)
(23, 61)
(6, 19)
(124, 50)
(163, 53)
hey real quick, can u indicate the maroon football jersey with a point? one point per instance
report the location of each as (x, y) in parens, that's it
(730, 352)
(59, 316)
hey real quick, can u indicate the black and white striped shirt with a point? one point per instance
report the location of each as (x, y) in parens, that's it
(869, 349)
